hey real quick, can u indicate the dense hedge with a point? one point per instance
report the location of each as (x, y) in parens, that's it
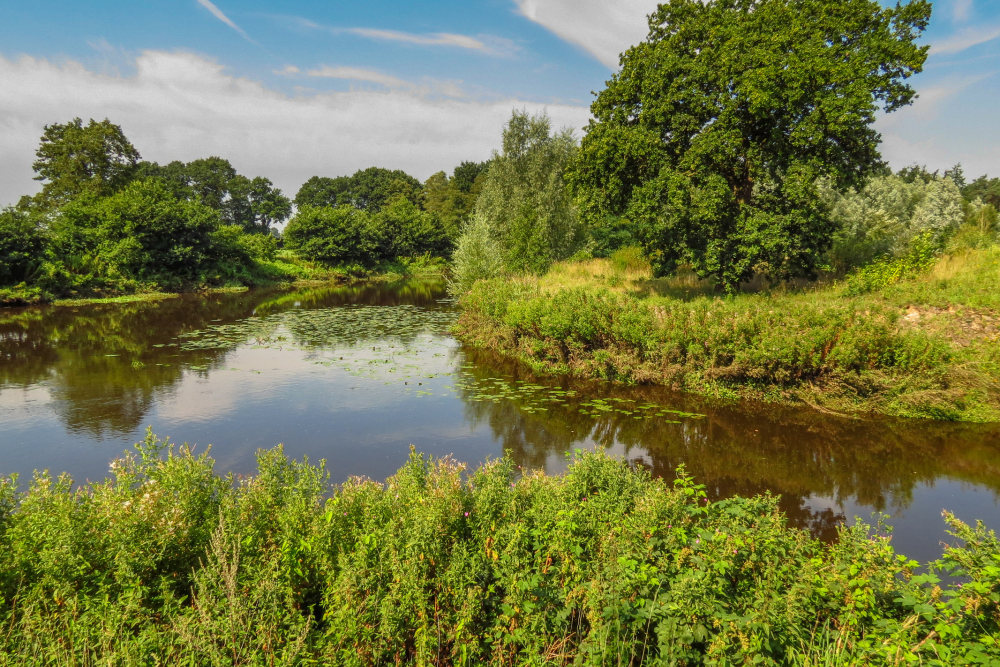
(168, 563)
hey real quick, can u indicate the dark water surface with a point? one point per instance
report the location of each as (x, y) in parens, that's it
(354, 375)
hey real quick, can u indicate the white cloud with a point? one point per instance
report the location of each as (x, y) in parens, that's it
(180, 106)
(603, 28)
(287, 70)
(217, 13)
(964, 39)
(487, 44)
(960, 10)
(358, 74)
(434, 39)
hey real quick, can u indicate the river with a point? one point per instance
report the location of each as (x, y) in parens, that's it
(356, 374)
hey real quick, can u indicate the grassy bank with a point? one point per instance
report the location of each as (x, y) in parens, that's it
(169, 563)
(894, 340)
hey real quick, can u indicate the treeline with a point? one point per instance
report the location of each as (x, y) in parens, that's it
(108, 222)
(381, 215)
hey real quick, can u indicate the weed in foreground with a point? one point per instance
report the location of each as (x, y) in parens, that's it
(169, 563)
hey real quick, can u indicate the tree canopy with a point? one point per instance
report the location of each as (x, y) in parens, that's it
(527, 207)
(368, 189)
(253, 204)
(452, 199)
(711, 138)
(75, 159)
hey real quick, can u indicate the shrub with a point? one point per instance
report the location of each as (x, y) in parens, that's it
(404, 230)
(333, 235)
(142, 233)
(167, 563)
(477, 256)
(22, 245)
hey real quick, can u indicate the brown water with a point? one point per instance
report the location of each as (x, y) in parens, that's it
(354, 375)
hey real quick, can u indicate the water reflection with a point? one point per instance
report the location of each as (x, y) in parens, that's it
(74, 377)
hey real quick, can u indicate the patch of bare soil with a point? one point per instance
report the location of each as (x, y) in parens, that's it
(961, 325)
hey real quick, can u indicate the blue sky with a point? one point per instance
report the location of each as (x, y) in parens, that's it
(289, 89)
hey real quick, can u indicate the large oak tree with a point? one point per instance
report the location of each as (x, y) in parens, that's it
(710, 139)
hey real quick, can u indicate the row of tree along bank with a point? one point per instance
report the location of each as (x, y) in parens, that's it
(169, 563)
(106, 222)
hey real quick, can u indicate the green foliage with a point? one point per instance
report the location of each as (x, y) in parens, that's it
(453, 199)
(404, 230)
(629, 258)
(853, 347)
(253, 204)
(22, 242)
(73, 160)
(477, 256)
(368, 189)
(711, 137)
(525, 203)
(167, 563)
(890, 215)
(332, 235)
(924, 252)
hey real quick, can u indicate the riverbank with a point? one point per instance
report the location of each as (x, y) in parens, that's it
(285, 270)
(921, 345)
(170, 563)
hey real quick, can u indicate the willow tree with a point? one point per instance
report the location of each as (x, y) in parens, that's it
(711, 137)
(525, 202)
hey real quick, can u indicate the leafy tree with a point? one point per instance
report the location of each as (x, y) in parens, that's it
(144, 233)
(916, 172)
(984, 188)
(368, 189)
(525, 203)
(74, 159)
(253, 204)
(333, 235)
(453, 199)
(323, 191)
(712, 136)
(889, 214)
(404, 230)
(22, 244)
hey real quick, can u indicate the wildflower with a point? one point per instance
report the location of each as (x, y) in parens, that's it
(466, 514)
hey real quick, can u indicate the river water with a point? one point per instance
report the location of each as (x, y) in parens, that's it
(356, 374)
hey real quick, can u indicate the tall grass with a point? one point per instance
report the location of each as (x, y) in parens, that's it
(168, 563)
(841, 347)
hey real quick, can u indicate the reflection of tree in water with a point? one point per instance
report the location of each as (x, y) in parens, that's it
(101, 361)
(750, 448)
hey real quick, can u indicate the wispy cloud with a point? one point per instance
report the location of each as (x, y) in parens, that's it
(217, 13)
(486, 44)
(433, 39)
(359, 74)
(960, 10)
(287, 70)
(964, 39)
(427, 87)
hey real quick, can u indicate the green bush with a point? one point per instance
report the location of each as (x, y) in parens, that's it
(333, 235)
(884, 271)
(142, 233)
(405, 231)
(168, 563)
(22, 246)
